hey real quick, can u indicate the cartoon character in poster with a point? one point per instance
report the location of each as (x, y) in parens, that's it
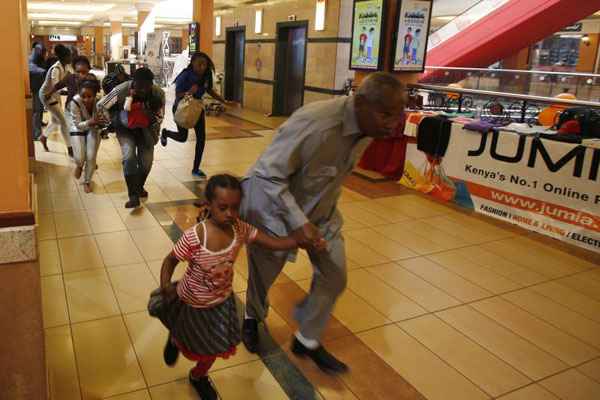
(408, 38)
(366, 34)
(414, 24)
(370, 38)
(361, 43)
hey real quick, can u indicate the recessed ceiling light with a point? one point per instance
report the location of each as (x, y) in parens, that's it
(59, 23)
(58, 16)
(87, 7)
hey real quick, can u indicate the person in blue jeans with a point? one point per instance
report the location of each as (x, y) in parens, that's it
(195, 80)
(137, 142)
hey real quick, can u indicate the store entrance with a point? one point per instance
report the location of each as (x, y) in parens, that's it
(290, 66)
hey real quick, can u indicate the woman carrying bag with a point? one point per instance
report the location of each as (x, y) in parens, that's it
(194, 81)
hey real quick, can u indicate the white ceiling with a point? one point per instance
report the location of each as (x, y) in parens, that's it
(88, 12)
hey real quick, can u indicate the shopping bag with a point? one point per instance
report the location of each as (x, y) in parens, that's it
(188, 112)
(438, 184)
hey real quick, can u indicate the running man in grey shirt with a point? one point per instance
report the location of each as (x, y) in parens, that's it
(293, 189)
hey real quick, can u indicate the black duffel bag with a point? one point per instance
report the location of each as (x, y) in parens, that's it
(587, 118)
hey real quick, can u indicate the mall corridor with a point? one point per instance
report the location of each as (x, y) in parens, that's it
(440, 304)
(458, 140)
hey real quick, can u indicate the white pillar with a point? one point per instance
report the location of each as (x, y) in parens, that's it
(146, 22)
(116, 39)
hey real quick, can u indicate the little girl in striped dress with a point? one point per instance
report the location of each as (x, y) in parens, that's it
(200, 310)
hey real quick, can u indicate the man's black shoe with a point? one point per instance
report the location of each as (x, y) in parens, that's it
(324, 360)
(170, 353)
(144, 194)
(250, 335)
(134, 202)
(204, 388)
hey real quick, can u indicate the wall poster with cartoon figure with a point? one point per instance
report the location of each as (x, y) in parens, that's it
(367, 34)
(414, 18)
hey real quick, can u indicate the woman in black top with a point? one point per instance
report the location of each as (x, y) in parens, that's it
(195, 80)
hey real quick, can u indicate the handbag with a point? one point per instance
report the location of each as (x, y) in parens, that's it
(188, 112)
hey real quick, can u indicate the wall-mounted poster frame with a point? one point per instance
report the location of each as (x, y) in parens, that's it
(194, 37)
(411, 35)
(368, 33)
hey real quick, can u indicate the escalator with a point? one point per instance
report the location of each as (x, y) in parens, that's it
(492, 30)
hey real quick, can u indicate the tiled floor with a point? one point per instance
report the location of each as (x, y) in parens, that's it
(440, 305)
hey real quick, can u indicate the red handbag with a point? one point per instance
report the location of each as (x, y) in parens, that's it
(137, 117)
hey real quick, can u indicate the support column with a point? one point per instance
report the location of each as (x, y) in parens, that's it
(22, 357)
(146, 21)
(99, 49)
(203, 15)
(116, 40)
(185, 38)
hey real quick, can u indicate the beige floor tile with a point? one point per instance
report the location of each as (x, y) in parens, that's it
(139, 395)
(406, 204)
(522, 354)
(90, 295)
(386, 213)
(299, 270)
(460, 230)
(385, 299)
(432, 377)
(106, 359)
(415, 288)
(434, 234)
(156, 195)
(567, 320)
(591, 369)
(132, 285)
(153, 243)
(362, 255)
(45, 205)
(179, 390)
(148, 336)
(139, 218)
(242, 356)
(352, 224)
(248, 381)
(415, 242)
(487, 229)
(66, 202)
(54, 304)
(105, 220)
(381, 244)
(554, 252)
(531, 392)
(572, 385)
(63, 382)
(362, 215)
(72, 223)
(446, 280)
(49, 258)
(46, 227)
(156, 265)
(475, 273)
(583, 284)
(79, 253)
(466, 356)
(533, 260)
(349, 196)
(62, 185)
(118, 248)
(501, 266)
(554, 341)
(352, 311)
(96, 201)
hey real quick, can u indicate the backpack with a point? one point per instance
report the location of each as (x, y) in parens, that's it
(433, 135)
(587, 118)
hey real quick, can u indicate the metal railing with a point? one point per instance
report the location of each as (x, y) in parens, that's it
(487, 104)
(532, 82)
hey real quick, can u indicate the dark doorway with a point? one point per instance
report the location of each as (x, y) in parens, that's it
(235, 43)
(290, 66)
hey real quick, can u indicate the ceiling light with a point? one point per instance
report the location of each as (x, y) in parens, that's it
(218, 25)
(320, 15)
(59, 23)
(58, 16)
(445, 18)
(258, 18)
(87, 7)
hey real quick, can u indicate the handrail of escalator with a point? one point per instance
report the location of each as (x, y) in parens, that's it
(488, 93)
(453, 27)
(466, 10)
(515, 71)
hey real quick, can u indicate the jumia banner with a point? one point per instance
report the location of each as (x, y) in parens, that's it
(542, 185)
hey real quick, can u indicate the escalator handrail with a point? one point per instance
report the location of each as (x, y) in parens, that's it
(466, 10)
(489, 93)
(516, 71)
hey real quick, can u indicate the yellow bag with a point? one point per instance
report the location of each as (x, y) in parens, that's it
(188, 112)
(411, 177)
